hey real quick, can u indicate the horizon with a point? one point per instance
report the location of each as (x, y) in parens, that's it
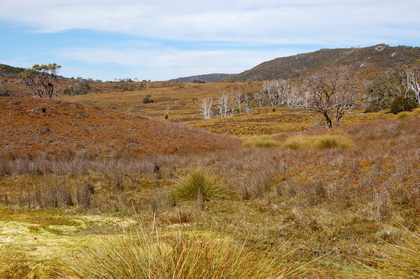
(166, 40)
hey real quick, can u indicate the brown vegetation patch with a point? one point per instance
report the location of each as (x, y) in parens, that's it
(36, 126)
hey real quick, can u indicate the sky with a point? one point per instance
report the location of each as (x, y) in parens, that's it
(167, 39)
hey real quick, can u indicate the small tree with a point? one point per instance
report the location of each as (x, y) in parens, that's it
(41, 79)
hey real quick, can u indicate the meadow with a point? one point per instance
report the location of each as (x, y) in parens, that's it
(285, 198)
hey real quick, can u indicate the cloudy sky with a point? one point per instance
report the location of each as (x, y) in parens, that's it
(165, 39)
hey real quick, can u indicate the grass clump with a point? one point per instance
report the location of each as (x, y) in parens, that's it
(296, 142)
(402, 115)
(176, 255)
(334, 140)
(397, 261)
(261, 141)
(331, 140)
(200, 183)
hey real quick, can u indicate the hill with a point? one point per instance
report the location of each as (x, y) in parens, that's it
(202, 78)
(374, 58)
(10, 71)
(59, 128)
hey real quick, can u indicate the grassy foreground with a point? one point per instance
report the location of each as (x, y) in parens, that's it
(343, 204)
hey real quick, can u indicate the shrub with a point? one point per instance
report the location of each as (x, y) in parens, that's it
(401, 103)
(200, 184)
(148, 99)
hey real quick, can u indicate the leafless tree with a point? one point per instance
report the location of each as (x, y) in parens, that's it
(223, 105)
(247, 101)
(238, 95)
(275, 92)
(206, 107)
(331, 93)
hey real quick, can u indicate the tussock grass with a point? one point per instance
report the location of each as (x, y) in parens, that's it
(261, 141)
(402, 115)
(200, 184)
(188, 254)
(331, 140)
(397, 260)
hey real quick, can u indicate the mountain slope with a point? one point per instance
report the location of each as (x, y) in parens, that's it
(376, 57)
(58, 128)
(203, 78)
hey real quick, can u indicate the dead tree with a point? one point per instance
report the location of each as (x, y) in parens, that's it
(331, 93)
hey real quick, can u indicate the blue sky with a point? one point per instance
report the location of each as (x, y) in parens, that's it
(163, 39)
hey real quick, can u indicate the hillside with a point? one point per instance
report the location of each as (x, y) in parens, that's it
(9, 71)
(202, 78)
(373, 58)
(59, 128)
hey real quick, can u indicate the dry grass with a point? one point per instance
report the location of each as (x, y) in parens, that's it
(326, 141)
(66, 129)
(200, 184)
(328, 202)
(185, 254)
(261, 141)
(396, 260)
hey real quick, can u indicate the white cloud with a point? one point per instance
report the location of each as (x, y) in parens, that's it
(242, 21)
(171, 63)
(167, 38)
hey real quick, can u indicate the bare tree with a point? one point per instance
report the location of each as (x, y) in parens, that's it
(223, 105)
(205, 107)
(275, 92)
(247, 100)
(41, 79)
(331, 93)
(238, 95)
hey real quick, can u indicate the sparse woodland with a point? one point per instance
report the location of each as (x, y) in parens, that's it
(250, 179)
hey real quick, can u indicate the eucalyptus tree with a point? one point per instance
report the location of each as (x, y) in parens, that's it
(41, 79)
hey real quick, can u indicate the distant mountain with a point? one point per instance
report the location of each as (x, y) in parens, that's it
(379, 56)
(202, 78)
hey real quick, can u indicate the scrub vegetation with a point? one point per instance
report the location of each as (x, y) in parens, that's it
(98, 183)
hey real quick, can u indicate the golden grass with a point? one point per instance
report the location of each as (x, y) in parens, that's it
(326, 201)
(200, 184)
(330, 140)
(261, 141)
(183, 101)
(396, 260)
(184, 254)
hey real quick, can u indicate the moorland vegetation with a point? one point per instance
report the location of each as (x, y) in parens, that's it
(97, 183)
